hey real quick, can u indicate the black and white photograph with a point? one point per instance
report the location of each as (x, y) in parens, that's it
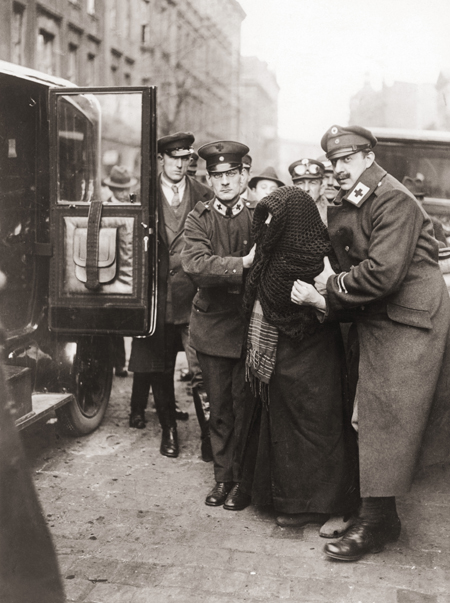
(224, 301)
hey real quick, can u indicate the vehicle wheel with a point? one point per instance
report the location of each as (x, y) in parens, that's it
(91, 385)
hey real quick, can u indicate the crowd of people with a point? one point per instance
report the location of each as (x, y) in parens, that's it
(315, 321)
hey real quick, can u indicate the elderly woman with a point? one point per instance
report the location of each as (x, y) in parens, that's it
(306, 457)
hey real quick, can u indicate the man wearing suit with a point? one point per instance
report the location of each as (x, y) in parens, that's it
(218, 250)
(153, 359)
(392, 288)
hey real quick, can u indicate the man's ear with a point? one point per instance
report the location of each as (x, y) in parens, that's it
(322, 188)
(370, 158)
(161, 158)
(208, 179)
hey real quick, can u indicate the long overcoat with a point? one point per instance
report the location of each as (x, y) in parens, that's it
(147, 353)
(393, 287)
(212, 256)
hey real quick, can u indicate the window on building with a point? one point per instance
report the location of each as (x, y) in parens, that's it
(127, 79)
(72, 63)
(91, 70)
(17, 33)
(90, 7)
(145, 33)
(46, 60)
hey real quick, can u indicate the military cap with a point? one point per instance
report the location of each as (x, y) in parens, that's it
(177, 145)
(306, 169)
(223, 155)
(339, 141)
(268, 174)
(247, 161)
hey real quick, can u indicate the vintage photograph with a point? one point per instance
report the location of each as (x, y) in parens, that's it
(224, 301)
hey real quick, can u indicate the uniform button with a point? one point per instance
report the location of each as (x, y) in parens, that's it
(347, 248)
(245, 242)
(234, 270)
(248, 204)
(172, 272)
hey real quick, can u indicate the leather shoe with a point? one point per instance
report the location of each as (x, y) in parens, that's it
(121, 371)
(236, 499)
(218, 494)
(185, 375)
(362, 538)
(137, 420)
(169, 442)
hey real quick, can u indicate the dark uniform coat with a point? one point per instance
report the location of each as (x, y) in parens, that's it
(146, 354)
(212, 256)
(393, 286)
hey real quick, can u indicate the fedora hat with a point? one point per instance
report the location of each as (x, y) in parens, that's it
(120, 178)
(268, 174)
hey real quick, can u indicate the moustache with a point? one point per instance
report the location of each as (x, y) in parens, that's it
(340, 177)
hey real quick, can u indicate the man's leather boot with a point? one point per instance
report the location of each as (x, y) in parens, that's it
(376, 525)
(164, 396)
(201, 404)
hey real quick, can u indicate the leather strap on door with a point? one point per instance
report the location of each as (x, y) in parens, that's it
(92, 238)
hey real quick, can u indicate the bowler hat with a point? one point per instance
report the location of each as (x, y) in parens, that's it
(268, 174)
(119, 177)
(340, 142)
(177, 145)
(415, 186)
(223, 155)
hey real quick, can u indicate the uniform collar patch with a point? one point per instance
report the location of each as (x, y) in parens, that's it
(222, 208)
(358, 194)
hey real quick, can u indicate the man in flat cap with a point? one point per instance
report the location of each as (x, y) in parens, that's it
(392, 288)
(308, 174)
(218, 250)
(153, 358)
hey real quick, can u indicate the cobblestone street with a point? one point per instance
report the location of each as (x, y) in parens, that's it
(131, 526)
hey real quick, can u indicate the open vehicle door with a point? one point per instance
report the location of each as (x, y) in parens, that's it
(104, 251)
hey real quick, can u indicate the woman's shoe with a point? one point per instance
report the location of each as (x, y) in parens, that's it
(297, 520)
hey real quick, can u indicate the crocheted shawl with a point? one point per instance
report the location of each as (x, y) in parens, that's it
(290, 247)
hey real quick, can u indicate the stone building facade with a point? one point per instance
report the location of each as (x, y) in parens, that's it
(190, 49)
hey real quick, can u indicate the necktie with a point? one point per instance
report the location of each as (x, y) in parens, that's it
(176, 197)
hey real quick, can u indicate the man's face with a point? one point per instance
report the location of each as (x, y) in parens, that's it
(245, 178)
(174, 168)
(330, 185)
(312, 186)
(264, 188)
(121, 194)
(349, 169)
(226, 185)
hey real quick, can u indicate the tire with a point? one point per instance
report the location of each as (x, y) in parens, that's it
(91, 382)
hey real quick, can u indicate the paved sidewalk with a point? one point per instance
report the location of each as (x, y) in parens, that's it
(131, 526)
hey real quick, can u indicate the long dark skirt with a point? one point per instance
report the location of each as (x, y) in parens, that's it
(305, 458)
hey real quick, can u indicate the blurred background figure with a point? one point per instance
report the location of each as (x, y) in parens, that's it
(119, 183)
(416, 186)
(308, 174)
(192, 168)
(331, 185)
(246, 192)
(265, 183)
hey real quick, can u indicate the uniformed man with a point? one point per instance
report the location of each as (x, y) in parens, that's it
(331, 185)
(193, 165)
(246, 191)
(392, 286)
(218, 250)
(308, 174)
(153, 358)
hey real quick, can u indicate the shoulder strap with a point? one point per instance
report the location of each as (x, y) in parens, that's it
(92, 237)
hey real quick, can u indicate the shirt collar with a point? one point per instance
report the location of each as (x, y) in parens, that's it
(367, 184)
(222, 208)
(180, 185)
